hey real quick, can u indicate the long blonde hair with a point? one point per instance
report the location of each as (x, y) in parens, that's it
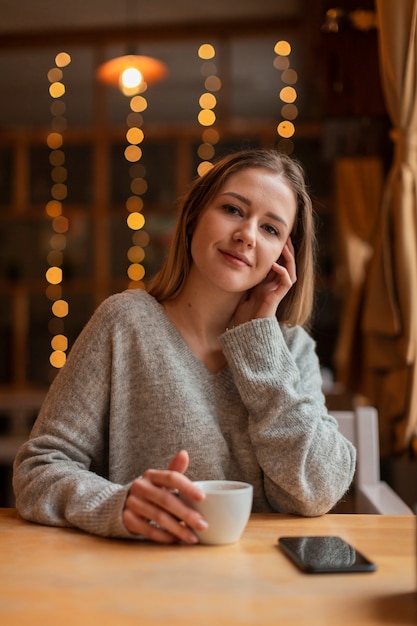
(297, 305)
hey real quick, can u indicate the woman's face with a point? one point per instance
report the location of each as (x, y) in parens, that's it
(243, 230)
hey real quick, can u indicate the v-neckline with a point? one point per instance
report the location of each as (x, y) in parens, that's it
(173, 328)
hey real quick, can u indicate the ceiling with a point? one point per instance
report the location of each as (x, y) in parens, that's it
(21, 15)
(31, 33)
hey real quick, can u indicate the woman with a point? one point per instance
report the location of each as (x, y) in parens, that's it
(208, 374)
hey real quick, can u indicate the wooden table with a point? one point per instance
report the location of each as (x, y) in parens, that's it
(59, 577)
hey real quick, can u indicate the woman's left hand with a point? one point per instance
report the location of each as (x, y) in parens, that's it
(263, 300)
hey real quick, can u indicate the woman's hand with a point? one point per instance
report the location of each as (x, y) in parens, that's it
(263, 300)
(153, 509)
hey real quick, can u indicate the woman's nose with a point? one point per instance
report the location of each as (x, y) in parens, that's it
(246, 233)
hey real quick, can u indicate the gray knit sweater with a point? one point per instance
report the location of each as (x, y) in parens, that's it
(132, 394)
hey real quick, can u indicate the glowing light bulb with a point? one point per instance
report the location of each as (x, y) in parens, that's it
(131, 78)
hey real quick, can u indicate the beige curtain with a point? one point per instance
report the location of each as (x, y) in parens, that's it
(358, 190)
(389, 321)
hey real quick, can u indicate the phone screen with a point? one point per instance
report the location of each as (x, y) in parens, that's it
(325, 555)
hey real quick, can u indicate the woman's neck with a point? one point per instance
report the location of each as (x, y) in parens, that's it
(201, 320)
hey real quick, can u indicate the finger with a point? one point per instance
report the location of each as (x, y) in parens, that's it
(141, 526)
(180, 462)
(290, 265)
(152, 490)
(180, 524)
(161, 506)
(173, 481)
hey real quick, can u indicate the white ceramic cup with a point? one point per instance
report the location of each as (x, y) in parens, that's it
(226, 508)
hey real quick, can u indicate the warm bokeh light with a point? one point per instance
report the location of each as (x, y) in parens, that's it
(135, 271)
(58, 108)
(141, 238)
(206, 51)
(59, 342)
(135, 221)
(208, 68)
(286, 129)
(54, 275)
(206, 151)
(59, 191)
(59, 174)
(53, 208)
(211, 135)
(138, 186)
(55, 75)
(60, 308)
(62, 59)
(55, 257)
(60, 224)
(134, 120)
(133, 153)
(57, 90)
(213, 83)
(289, 76)
(204, 167)
(136, 254)
(135, 135)
(206, 117)
(282, 48)
(207, 101)
(57, 158)
(58, 242)
(54, 140)
(59, 124)
(138, 104)
(133, 203)
(281, 63)
(58, 359)
(288, 94)
(289, 111)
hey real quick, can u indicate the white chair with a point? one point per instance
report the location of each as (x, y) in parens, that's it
(372, 495)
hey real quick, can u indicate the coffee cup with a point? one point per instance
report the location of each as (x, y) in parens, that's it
(226, 509)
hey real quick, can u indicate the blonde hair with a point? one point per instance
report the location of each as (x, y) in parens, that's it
(296, 307)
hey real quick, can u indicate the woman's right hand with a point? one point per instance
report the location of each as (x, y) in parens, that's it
(154, 510)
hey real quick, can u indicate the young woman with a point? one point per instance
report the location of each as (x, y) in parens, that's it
(208, 374)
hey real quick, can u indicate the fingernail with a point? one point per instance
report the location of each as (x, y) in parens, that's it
(202, 524)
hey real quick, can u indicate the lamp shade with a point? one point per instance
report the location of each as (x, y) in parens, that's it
(151, 70)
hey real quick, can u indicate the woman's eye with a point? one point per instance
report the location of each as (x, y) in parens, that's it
(230, 208)
(272, 230)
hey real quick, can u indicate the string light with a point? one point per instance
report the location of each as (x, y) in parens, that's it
(208, 102)
(138, 187)
(53, 209)
(287, 95)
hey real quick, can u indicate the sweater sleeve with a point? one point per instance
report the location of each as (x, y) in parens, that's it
(307, 464)
(59, 472)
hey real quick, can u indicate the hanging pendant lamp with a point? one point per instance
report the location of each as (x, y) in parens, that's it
(131, 73)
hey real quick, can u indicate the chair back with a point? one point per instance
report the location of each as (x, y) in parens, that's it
(372, 495)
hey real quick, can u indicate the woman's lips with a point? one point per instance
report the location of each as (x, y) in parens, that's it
(236, 258)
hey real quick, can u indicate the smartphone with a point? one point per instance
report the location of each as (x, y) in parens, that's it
(325, 554)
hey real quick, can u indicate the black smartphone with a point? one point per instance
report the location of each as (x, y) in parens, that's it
(324, 555)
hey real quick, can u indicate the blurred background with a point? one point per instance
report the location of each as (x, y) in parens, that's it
(90, 176)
